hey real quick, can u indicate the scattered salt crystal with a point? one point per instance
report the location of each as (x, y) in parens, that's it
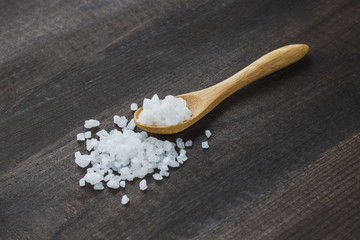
(82, 182)
(164, 173)
(91, 123)
(102, 133)
(164, 168)
(93, 178)
(182, 157)
(182, 152)
(124, 200)
(131, 125)
(174, 164)
(99, 186)
(80, 137)
(91, 143)
(143, 185)
(205, 144)
(87, 134)
(167, 146)
(188, 143)
(122, 184)
(180, 143)
(82, 160)
(113, 183)
(116, 119)
(166, 112)
(120, 121)
(108, 177)
(207, 133)
(133, 107)
(157, 176)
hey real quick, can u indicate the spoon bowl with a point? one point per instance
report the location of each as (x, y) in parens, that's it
(203, 101)
(192, 102)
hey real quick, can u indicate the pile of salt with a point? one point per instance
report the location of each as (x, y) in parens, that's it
(166, 112)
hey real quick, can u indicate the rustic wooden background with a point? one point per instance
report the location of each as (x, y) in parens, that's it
(284, 157)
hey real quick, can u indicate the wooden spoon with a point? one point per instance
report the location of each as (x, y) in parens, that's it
(203, 101)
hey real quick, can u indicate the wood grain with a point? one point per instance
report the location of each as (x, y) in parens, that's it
(283, 161)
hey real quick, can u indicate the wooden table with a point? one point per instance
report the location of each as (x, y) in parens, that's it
(283, 161)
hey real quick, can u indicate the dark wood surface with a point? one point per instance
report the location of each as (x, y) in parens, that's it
(284, 158)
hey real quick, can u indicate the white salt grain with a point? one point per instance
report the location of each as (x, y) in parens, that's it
(80, 137)
(143, 185)
(91, 143)
(122, 184)
(108, 177)
(188, 143)
(133, 107)
(92, 178)
(157, 176)
(180, 143)
(205, 144)
(182, 157)
(99, 186)
(116, 119)
(102, 133)
(113, 183)
(87, 134)
(120, 121)
(207, 133)
(82, 182)
(131, 125)
(82, 160)
(167, 146)
(166, 112)
(91, 123)
(124, 200)
(164, 173)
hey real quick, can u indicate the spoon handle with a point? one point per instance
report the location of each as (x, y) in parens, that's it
(267, 64)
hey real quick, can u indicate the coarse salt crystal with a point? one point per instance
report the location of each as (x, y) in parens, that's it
(133, 107)
(87, 134)
(80, 137)
(207, 133)
(91, 143)
(91, 123)
(116, 119)
(102, 133)
(113, 183)
(188, 143)
(205, 144)
(82, 182)
(157, 176)
(108, 177)
(143, 185)
(124, 200)
(131, 125)
(82, 160)
(164, 173)
(120, 121)
(92, 178)
(99, 186)
(167, 146)
(180, 143)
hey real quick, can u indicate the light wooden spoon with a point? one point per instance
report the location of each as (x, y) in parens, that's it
(203, 101)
